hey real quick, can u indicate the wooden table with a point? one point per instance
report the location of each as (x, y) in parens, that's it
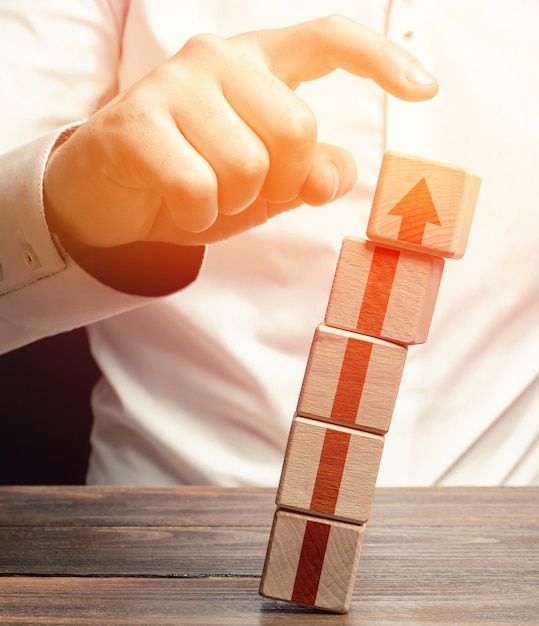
(188, 556)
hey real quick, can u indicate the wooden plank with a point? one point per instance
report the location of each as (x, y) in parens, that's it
(384, 293)
(330, 470)
(224, 602)
(351, 379)
(423, 205)
(132, 550)
(142, 506)
(514, 507)
(431, 556)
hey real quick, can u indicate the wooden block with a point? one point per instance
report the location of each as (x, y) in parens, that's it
(329, 470)
(423, 205)
(351, 379)
(384, 292)
(312, 561)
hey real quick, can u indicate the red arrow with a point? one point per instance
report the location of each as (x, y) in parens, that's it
(416, 209)
(311, 561)
(327, 485)
(372, 312)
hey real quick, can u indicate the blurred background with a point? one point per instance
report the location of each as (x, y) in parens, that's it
(45, 416)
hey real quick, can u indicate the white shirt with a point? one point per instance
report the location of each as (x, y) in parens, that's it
(200, 387)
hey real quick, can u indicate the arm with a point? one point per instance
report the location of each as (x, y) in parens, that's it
(215, 140)
(59, 65)
(211, 143)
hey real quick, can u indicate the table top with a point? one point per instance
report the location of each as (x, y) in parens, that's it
(194, 555)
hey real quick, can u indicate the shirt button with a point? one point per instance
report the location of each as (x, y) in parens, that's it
(30, 257)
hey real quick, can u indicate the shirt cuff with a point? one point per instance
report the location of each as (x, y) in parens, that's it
(27, 252)
(42, 290)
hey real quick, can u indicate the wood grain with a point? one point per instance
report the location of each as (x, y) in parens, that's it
(142, 506)
(312, 561)
(384, 293)
(423, 205)
(330, 470)
(430, 556)
(351, 379)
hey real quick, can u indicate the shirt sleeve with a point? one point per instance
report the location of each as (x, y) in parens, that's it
(42, 291)
(48, 49)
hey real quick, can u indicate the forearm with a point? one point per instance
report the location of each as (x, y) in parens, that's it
(42, 290)
(47, 49)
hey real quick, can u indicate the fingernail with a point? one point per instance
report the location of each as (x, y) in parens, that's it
(418, 75)
(337, 181)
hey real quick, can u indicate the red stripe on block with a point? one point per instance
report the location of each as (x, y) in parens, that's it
(351, 380)
(377, 291)
(330, 468)
(311, 560)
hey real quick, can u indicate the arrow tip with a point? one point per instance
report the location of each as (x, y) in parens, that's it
(416, 209)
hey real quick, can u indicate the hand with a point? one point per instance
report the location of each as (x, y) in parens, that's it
(215, 140)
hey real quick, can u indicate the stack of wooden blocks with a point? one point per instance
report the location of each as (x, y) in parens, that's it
(382, 300)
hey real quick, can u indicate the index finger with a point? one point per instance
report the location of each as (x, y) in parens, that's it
(310, 50)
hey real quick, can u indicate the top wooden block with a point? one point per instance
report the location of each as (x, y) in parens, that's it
(423, 205)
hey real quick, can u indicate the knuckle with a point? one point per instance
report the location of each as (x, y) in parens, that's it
(327, 30)
(252, 164)
(328, 27)
(204, 44)
(135, 110)
(297, 126)
(192, 184)
(333, 22)
(199, 188)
